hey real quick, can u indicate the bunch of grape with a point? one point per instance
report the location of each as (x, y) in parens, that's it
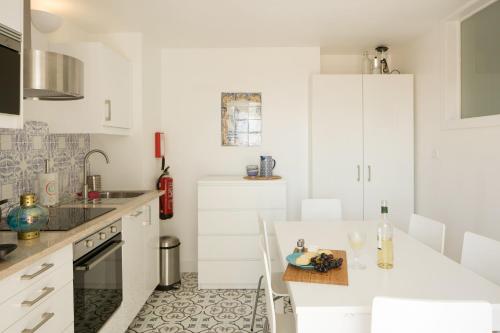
(324, 262)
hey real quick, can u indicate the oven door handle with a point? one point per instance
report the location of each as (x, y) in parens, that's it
(100, 257)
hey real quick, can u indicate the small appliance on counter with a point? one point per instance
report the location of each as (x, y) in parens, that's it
(28, 218)
(49, 187)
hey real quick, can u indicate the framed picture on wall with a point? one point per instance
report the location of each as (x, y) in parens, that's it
(241, 119)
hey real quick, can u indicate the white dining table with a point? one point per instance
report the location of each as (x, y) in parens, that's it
(419, 272)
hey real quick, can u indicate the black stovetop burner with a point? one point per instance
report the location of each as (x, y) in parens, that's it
(66, 218)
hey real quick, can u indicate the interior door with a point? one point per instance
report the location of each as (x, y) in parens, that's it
(388, 145)
(337, 141)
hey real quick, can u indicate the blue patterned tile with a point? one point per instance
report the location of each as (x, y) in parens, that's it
(23, 154)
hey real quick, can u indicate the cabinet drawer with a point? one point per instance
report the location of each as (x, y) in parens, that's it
(229, 274)
(234, 222)
(35, 272)
(52, 316)
(13, 309)
(242, 196)
(232, 247)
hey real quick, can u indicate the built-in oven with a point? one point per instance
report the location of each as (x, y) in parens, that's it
(10, 70)
(97, 269)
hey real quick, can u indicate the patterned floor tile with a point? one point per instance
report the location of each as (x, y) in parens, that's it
(192, 310)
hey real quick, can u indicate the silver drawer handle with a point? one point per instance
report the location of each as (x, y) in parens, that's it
(139, 212)
(45, 318)
(44, 268)
(45, 292)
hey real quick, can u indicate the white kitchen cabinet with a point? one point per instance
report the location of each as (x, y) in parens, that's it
(151, 247)
(107, 104)
(362, 143)
(337, 141)
(141, 232)
(228, 229)
(388, 145)
(11, 14)
(42, 292)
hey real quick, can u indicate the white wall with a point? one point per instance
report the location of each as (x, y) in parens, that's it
(341, 63)
(193, 80)
(457, 178)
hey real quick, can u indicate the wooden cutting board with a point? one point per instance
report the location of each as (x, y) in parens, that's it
(262, 177)
(333, 276)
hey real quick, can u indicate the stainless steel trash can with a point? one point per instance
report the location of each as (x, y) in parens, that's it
(170, 275)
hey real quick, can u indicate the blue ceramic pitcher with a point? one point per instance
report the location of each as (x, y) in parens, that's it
(267, 164)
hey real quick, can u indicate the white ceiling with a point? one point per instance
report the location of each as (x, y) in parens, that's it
(337, 26)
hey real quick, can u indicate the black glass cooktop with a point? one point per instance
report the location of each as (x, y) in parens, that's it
(66, 218)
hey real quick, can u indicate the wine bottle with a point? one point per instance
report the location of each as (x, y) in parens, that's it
(385, 231)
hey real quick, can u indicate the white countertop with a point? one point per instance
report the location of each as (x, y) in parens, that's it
(29, 251)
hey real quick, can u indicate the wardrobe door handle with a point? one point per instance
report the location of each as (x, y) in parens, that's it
(359, 173)
(108, 115)
(369, 173)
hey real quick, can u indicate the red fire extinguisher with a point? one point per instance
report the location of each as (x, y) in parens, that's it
(166, 183)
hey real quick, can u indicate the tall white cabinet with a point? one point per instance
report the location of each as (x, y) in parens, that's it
(228, 229)
(362, 143)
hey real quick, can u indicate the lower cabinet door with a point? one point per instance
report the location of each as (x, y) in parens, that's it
(133, 266)
(52, 316)
(151, 244)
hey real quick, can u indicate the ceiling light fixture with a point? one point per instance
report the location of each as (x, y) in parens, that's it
(45, 22)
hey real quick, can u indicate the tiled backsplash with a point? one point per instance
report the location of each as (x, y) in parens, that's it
(23, 154)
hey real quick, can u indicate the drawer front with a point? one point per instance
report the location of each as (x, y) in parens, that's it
(52, 316)
(233, 222)
(233, 247)
(242, 197)
(34, 273)
(229, 274)
(30, 298)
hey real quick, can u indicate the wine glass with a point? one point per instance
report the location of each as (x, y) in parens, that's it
(357, 241)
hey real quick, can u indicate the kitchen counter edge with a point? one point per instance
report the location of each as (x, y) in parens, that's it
(28, 252)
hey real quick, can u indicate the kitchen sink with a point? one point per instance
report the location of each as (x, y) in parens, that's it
(119, 194)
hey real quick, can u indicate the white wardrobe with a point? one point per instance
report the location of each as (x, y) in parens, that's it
(362, 143)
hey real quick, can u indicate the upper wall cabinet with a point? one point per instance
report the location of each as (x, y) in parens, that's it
(11, 18)
(107, 105)
(11, 14)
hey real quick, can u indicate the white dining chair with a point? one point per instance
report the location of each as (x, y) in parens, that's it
(395, 315)
(278, 286)
(481, 255)
(321, 210)
(276, 322)
(428, 231)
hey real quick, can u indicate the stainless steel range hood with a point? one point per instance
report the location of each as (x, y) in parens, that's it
(49, 75)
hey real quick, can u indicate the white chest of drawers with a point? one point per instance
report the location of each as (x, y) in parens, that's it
(228, 230)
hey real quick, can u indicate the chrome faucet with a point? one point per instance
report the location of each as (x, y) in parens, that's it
(85, 161)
